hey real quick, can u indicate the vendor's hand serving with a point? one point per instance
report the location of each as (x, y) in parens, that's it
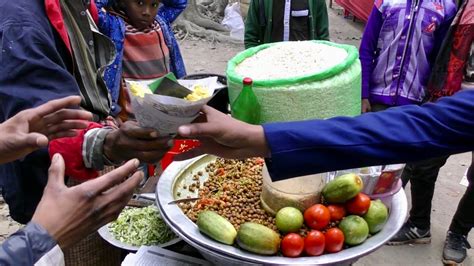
(224, 136)
(32, 129)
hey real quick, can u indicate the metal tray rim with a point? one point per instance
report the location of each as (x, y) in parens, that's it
(189, 231)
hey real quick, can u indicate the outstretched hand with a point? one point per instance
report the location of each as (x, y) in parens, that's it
(71, 213)
(224, 136)
(32, 129)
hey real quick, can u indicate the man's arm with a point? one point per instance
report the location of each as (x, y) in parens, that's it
(101, 3)
(26, 246)
(368, 48)
(57, 220)
(321, 21)
(171, 9)
(66, 215)
(73, 152)
(106, 21)
(32, 73)
(397, 135)
(252, 26)
(32, 129)
(401, 134)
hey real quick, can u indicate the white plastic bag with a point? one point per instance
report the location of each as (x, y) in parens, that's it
(233, 21)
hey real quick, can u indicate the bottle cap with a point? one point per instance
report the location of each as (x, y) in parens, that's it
(248, 81)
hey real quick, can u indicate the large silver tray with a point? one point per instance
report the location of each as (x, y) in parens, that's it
(169, 183)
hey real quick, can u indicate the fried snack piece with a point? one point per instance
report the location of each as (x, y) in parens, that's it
(139, 90)
(199, 92)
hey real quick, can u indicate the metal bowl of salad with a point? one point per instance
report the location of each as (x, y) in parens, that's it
(136, 227)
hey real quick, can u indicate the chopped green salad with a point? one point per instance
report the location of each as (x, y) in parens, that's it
(141, 226)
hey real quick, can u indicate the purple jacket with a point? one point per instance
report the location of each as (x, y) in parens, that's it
(399, 46)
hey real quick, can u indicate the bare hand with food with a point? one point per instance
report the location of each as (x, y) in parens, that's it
(133, 141)
(32, 129)
(224, 136)
(70, 214)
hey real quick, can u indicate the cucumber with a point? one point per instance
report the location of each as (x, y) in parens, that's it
(216, 227)
(342, 188)
(258, 239)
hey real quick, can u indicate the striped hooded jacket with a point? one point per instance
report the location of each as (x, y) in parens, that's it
(114, 27)
(399, 46)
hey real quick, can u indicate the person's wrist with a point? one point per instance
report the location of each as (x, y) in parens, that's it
(110, 156)
(34, 230)
(257, 139)
(110, 162)
(53, 230)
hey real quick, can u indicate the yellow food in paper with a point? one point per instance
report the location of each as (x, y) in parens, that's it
(139, 90)
(199, 92)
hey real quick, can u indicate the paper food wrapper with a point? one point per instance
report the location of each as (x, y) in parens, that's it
(165, 113)
(376, 179)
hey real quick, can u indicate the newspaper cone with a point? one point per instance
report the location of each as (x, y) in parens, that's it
(167, 113)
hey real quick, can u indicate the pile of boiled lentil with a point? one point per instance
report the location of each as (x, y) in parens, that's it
(233, 191)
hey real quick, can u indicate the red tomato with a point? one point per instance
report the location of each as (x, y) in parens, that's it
(358, 205)
(317, 216)
(334, 240)
(314, 243)
(292, 245)
(337, 212)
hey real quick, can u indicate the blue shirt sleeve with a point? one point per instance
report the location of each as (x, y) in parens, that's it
(397, 135)
(368, 49)
(101, 3)
(26, 246)
(171, 9)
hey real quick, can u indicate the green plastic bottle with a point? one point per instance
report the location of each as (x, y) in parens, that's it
(246, 107)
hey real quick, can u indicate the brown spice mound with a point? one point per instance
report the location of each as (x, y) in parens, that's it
(233, 191)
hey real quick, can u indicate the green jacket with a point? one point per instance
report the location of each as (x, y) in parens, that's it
(259, 32)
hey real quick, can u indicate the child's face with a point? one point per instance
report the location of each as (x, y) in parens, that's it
(141, 13)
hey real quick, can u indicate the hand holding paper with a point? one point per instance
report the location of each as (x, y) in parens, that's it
(167, 109)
